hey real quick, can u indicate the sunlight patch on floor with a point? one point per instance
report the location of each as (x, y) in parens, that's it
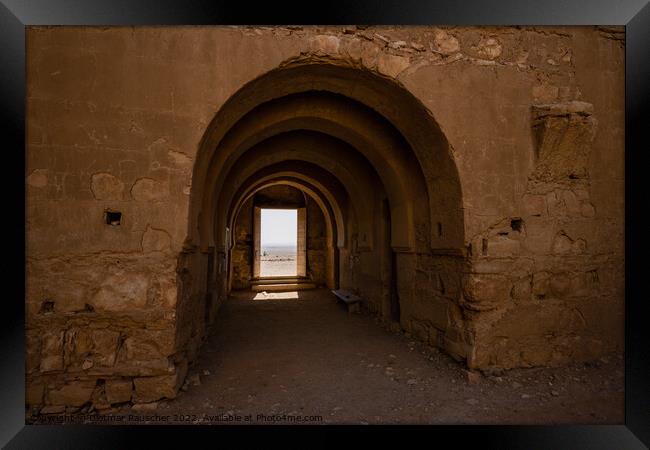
(291, 295)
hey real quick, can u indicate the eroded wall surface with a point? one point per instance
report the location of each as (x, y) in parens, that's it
(115, 119)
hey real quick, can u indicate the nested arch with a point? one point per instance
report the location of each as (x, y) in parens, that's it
(372, 113)
(322, 124)
(365, 132)
(327, 204)
(318, 156)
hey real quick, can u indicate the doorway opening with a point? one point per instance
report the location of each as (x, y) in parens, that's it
(278, 248)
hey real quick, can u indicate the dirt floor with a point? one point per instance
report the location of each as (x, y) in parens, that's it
(299, 357)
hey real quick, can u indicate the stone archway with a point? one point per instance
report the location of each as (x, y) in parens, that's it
(135, 174)
(373, 156)
(330, 93)
(330, 211)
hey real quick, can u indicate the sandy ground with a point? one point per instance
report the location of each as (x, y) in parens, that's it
(277, 266)
(289, 358)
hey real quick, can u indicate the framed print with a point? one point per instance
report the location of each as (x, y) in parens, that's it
(408, 215)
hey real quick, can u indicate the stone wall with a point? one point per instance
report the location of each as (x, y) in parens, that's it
(316, 244)
(116, 304)
(242, 251)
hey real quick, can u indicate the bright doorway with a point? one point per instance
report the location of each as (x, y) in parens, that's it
(280, 242)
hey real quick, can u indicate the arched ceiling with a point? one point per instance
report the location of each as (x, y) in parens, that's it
(326, 192)
(318, 155)
(366, 117)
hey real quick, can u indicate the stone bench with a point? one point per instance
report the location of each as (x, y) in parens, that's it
(353, 302)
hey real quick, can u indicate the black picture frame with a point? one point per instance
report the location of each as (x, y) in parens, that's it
(634, 14)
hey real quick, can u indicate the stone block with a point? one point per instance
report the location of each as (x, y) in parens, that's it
(392, 65)
(563, 245)
(436, 337)
(75, 393)
(137, 349)
(487, 289)
(324, 43)
(533, 353)
(456, 348)
(492, 265)
(118, 391)
(141, 368)
(78, 341)
(539, 237)
(150, 389)
(52, 351)
(439, 315)
(34, 393)
(522, 289)
(534, 205)
(584, 284)
(445, 43)
(52, 409)
(32, 351)
(91, 347)
(521, 267)
(556, 207)
(420, 330)
(563, 132)
(573, 206)
(489, 48)
(560, 285)
(502, 245)
(159, 342)
(122, 291)
(541, 283)
(105, 345)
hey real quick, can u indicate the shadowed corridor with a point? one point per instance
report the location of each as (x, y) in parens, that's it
(301, 354)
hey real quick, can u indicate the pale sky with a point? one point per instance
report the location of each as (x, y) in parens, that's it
(279, 227)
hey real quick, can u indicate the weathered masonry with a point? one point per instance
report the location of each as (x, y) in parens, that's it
(466, 183)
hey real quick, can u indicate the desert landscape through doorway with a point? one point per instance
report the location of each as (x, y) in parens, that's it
(278, 242)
